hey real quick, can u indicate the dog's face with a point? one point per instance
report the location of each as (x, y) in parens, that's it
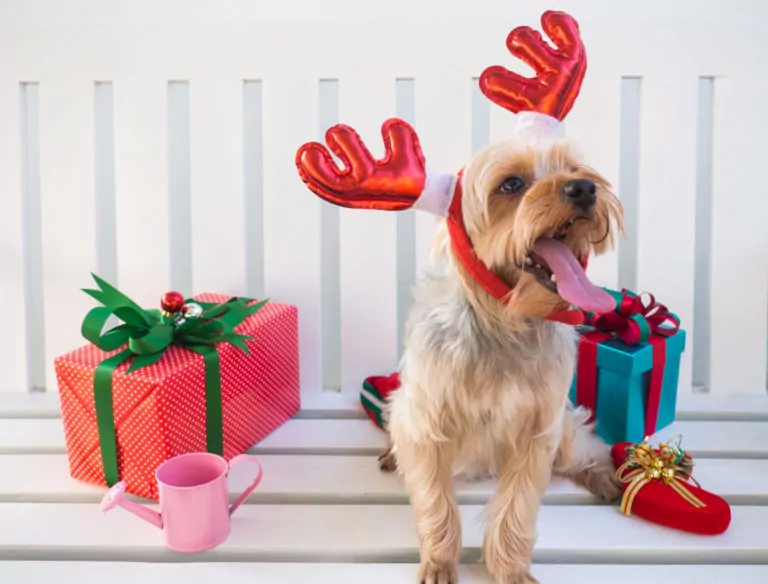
(534, 213)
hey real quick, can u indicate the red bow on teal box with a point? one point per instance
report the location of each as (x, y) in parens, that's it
(628, 367)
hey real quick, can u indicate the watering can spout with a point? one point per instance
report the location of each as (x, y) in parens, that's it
(116, 496)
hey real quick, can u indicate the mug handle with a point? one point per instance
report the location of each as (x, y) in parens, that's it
(255, 483)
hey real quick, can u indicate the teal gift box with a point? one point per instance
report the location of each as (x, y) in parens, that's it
(627, 368)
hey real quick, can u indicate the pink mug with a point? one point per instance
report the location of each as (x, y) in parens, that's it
(194, 500)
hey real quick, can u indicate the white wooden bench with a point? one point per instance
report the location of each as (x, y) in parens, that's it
(325, 512)
(153, 143)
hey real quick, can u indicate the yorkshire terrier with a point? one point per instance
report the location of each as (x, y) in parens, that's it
(489, 343)
(484, 385)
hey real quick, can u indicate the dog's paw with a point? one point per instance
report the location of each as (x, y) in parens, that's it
(388, 461)
(431, 573)
(601, 481)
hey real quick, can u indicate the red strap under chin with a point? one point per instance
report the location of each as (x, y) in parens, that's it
(488, 281)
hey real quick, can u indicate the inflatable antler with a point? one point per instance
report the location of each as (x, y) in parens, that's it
(392, 183)
(559, 72)
(396, 182)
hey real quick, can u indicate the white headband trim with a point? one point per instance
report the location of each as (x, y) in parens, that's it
(536, 125)
(437, 194)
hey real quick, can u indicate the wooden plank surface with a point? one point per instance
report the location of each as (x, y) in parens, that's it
(335, 405)
(346, 480)
(291, 573)
(298, 436)
(370, 533)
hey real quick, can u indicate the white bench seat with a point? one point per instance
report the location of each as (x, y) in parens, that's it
(291, 573)
(369, 533)
(341, 480)
(326, 513)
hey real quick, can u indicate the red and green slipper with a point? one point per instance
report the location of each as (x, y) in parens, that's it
(373, 396)
(658, 487)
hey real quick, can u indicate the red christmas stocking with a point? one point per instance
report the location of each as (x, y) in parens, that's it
(658, 486)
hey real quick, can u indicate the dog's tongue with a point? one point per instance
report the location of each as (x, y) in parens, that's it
(572, 283)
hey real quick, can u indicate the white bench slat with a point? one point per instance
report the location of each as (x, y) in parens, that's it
(335, 405)
(13, 225)
(297, 436)
(67, 196)
(264, 573)
(372, 533)
(348, 480)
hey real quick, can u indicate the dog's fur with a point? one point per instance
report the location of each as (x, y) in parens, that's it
(485, 383)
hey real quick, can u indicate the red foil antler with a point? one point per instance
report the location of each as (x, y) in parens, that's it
(558, 72)
(392, 183)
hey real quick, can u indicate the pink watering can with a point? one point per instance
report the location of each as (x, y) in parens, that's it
(194, 500)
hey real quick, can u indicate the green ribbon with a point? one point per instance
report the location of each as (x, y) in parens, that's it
(145, 335)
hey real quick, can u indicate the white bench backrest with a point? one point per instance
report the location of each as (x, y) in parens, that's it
(153, 143)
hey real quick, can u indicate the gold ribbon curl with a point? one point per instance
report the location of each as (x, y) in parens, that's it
(669, 465)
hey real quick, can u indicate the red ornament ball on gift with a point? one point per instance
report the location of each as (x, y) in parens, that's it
(171, 302)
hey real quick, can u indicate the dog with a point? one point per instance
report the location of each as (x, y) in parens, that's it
(484, 385)
(489, 342)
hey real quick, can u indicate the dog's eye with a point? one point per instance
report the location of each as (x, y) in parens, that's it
(513, 184)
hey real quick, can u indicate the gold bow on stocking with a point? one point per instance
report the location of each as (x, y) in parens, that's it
(669, 465)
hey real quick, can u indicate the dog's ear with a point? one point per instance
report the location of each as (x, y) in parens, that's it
(396, 182)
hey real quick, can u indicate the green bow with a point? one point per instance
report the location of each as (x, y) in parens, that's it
(147, 334)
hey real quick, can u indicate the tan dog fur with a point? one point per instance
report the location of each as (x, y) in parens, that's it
(484, 383)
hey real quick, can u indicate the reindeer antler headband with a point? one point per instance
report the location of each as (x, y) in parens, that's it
(400, 180)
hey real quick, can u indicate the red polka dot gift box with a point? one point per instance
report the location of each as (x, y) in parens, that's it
(218, 396)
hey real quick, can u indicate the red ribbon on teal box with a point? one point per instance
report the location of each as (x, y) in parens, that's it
(636, 323)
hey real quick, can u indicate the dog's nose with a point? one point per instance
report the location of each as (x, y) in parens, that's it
(580, 192)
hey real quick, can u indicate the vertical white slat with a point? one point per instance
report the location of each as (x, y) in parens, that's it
(667, 197)
(68, 212)
(444, 124)
(104, 162)
(13, 358)
(32, 236)
(253, 187)
(292, 212)
(629, 170)
(739, 245)
(141, 187)
(368, 252)
(218, 240)
(598, 143)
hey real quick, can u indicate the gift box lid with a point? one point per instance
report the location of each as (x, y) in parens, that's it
(78, 365)
(629, 360)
